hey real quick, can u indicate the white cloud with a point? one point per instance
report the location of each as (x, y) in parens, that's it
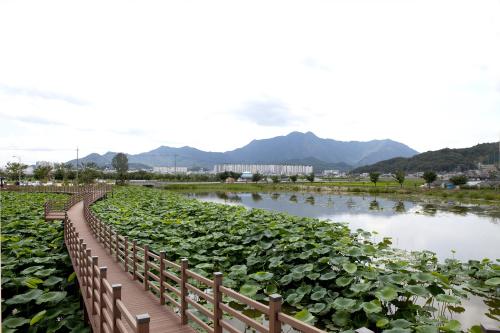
(129, 76)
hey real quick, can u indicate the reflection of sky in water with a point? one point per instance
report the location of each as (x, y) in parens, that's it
(472, 231)
(469, 230)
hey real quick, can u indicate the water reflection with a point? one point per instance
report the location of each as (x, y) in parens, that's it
(310, 200)
(429, 209)
(256, 197)
(472, 230)
(374, 205)
(399, 207)
(447, 228)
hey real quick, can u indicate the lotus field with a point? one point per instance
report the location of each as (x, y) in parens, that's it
(330, 276)
(38, 284)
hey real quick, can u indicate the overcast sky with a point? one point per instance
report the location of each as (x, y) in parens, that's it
(133, 75)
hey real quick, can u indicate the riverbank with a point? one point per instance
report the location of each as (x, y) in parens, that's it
(410, 189)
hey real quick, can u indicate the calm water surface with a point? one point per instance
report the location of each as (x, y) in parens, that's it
(448, 228)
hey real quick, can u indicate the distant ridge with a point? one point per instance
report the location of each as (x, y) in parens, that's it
(443, 160)
(294, 148)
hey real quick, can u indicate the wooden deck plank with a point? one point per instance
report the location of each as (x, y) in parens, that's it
(135, 298)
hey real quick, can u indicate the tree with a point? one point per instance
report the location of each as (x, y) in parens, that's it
(62, 171)
(120, 164)
(374, 176)
(459, 180)
(42, 172)
(294, 178)
(89, 173)
(399, 176)
(275, 179)
(256, 177)
(15, 171)
(429, 177)
(310, 177)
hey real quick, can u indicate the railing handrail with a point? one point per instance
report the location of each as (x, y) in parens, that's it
(126, 250)
(105, 297)
(119, 246)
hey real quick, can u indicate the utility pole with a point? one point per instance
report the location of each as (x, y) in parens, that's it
(77, 166)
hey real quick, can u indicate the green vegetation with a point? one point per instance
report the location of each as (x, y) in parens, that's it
(411, 187)
(459, 180)
(15, 171)
(440, 160)
(400, 177)
(429, 177)
(327, 274)
(120, 164)
(374, 176)
(38, 283)
(42, 172)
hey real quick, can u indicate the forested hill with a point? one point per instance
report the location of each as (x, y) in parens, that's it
(446, 159)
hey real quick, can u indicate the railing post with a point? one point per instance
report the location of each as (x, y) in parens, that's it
(162, 278)
(117, 294)
(275, 301)
(126, 254)
(88, 263)
(102, 276)
(134, 260)
(109, 240)
(117, 247)
(217, 301)
(184, 292)
(93, 284)
(81, 252)
(142, 321)
(146, 257)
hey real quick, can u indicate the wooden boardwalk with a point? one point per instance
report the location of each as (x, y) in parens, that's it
(133, 295)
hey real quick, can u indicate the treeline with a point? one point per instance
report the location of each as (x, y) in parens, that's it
(443, 160)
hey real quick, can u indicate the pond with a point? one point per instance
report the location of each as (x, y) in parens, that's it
(448, 228)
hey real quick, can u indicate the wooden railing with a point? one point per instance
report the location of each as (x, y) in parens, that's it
(193, 297)
(107, 310)
(187, 292)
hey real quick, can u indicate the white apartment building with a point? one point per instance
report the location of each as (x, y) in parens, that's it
(266, 169)
(172, 170)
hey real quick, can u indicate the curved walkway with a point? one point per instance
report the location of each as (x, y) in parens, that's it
(133, 295)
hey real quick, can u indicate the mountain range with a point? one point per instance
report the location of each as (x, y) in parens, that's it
(294, 148)
(443, 160)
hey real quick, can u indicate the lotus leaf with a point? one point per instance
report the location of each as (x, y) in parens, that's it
(493, 282)
(304, 316)
(328, 276)
(36, 318)
(51, 296)
(386, 294)
(417, 290)
(318, 295)
(372, 306)
(448, 298)
(317, 307)
(343, 281)
(13, 322)
(342, 303)
(350, 267)
(262, 276)
(401, 323)
(249, 289)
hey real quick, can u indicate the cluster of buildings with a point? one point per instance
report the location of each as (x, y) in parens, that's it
(265, 169)
(170, 170)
